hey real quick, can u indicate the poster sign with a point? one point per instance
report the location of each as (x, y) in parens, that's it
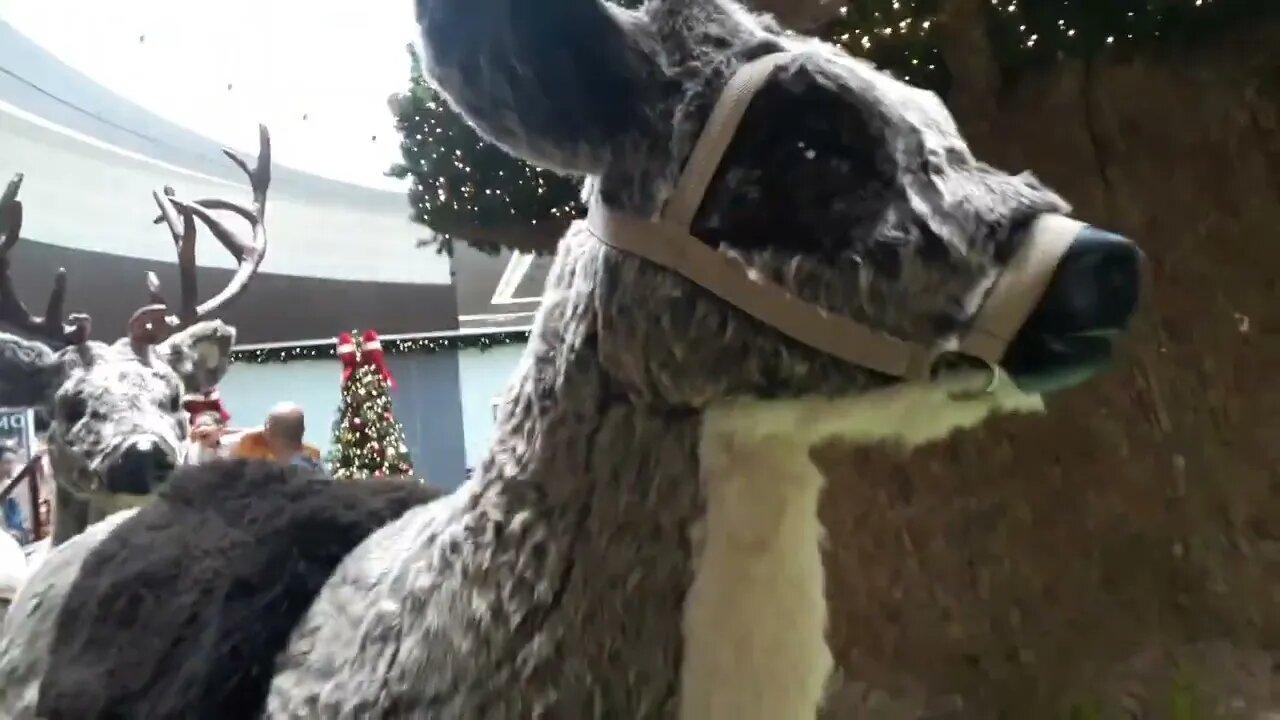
(18, 431)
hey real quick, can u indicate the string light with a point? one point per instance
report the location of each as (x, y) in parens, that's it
(460, 180)
(1029, 34)
(448, 161)
(290, 353)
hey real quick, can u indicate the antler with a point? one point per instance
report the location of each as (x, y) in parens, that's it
(75, 330)
(179, 216)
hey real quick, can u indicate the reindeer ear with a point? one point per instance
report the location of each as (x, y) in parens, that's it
(200, 354)
(561, 83)
(30, 372)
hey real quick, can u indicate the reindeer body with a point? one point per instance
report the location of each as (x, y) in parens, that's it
(128, 393)
(25, 648)
(116, 421)
(642, 539)
(114, 410)
(604, 556)
(102, 399)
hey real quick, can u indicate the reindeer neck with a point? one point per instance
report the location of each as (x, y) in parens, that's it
(70, 515)
(584, 507)
(710, 576)
(73, 514)
(566, 438)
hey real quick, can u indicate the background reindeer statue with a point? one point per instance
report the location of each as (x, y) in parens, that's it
(642, 539)
(115, 417)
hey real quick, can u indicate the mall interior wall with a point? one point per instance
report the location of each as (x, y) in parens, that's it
(483, 376)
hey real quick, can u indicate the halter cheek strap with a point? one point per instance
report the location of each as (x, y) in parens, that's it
(668, 243)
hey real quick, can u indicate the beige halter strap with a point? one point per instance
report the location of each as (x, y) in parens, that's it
(667, 242)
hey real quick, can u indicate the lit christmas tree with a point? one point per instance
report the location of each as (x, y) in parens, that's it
(367, 439)
(467, 189)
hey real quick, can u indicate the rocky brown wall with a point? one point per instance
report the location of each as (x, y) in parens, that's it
(1122, 552)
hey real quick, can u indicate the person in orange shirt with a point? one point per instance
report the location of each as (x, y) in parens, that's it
(280, 440)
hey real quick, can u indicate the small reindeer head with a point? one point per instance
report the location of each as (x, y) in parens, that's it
(116, 421)
(850, 190)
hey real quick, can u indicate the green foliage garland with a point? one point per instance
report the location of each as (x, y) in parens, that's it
(398, 346)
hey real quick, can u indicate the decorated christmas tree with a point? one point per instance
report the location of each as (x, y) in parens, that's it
(466, 188)
(367, 439)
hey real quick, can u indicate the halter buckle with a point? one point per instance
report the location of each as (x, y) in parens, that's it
(995, 374)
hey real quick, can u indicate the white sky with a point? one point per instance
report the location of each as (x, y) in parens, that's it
(334, 61)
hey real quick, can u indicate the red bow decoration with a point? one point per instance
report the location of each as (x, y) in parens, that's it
(371, 354)
(347, 354)
(208, 402)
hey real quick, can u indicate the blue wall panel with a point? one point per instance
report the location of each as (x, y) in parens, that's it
(426, 402)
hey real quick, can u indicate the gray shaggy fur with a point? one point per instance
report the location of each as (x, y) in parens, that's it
(552, 583)
(98, 397)
(207, 581)
(29, 626)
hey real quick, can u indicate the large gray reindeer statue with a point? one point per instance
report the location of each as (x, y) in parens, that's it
(115, 418)
(785, 247)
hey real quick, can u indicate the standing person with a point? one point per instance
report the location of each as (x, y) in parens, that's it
(48, 493)
(205, 443)
(208, 419)
(280, 439)
(45, 513)
(284, 431)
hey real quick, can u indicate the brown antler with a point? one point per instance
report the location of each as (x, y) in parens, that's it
(179, 216)
(75, 329)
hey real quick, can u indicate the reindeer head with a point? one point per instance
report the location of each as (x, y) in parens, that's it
(116, 421)
(841, 186)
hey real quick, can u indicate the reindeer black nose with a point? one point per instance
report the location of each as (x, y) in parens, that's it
(1095, 288)
(141, 468)
(1092, 297)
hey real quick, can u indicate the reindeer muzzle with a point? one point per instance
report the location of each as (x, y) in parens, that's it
(1032, 275)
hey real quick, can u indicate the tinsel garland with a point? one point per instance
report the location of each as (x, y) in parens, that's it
(402, 346)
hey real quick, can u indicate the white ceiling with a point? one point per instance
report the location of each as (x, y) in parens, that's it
(317, 72)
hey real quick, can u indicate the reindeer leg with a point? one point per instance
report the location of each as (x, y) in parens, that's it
(70, 515)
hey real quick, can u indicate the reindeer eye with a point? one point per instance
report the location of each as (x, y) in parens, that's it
(71, 409)
(175, 402)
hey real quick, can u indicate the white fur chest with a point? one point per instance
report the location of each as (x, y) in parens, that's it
(756, 614)
(755, 618)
